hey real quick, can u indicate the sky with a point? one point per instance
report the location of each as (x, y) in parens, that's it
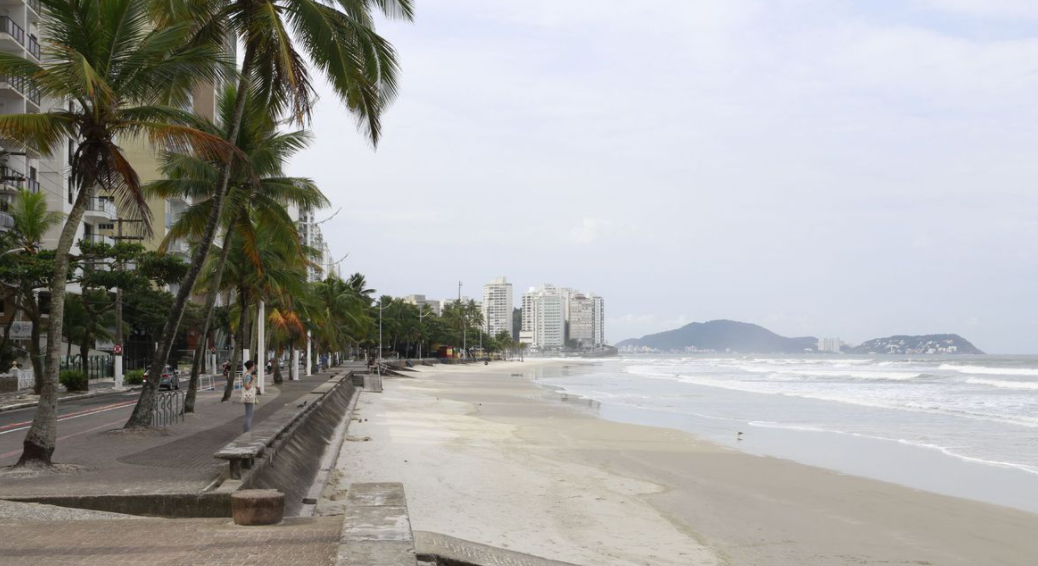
(819, 167)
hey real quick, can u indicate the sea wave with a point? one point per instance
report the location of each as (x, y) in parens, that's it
(1018, 385)
(985, 370)
(835, 372)
(914, 443)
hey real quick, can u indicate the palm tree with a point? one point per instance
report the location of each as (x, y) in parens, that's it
(337, 37)
(121, 74)
(268, 267)
(31, 267)
(258, 185)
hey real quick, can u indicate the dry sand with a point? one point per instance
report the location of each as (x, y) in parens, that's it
(488, 456)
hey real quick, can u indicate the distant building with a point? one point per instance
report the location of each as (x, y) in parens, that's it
(598, 321)
(830, 345)
(581, 319)
(310, 235)
(544, 318)
(497, 306)
(426, 306)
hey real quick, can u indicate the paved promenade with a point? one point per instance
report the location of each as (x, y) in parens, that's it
(200, 542)
(177, 459)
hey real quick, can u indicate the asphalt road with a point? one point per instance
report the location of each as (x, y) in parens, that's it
(74, 418)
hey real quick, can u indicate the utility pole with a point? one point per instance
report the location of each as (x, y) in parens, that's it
(118, 348)
(380, 332)
(421, 330)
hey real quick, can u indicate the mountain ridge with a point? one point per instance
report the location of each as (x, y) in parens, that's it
(728, 335)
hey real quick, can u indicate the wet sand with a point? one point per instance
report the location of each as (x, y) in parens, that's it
(488, 456)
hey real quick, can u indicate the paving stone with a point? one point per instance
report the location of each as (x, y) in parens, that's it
(202, 542)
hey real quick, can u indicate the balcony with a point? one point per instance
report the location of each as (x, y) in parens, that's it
(34, 5)
(34, 47)
(100, 208)
(32, 185)
(8, 26)
(178, 247)
(11, 180)
(22, 86)
(99, 239)
(6, 221)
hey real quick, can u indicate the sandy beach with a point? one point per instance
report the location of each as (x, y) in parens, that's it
(488, 456)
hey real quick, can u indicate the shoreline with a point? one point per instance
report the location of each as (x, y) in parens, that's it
(485, 456)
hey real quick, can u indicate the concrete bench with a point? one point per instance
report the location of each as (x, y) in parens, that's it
(376, 530)
(242, 452)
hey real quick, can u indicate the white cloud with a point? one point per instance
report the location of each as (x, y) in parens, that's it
(588, 232)
(987, 8)
(778, 156)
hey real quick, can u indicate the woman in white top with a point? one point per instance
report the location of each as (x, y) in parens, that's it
(248, 393)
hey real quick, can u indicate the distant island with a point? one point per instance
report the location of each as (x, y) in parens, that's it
(745, 338)
(929, 344)
(722, 336)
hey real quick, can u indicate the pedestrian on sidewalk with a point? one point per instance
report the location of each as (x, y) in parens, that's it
(248, 393)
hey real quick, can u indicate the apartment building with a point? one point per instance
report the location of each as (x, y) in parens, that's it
(497, 306)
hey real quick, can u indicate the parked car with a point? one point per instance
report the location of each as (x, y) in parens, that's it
(170, 378)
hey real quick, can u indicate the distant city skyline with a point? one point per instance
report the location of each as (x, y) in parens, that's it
(832, 168)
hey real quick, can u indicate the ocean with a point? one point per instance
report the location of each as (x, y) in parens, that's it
(964, 426)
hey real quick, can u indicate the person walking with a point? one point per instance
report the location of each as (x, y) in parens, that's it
(248, 393)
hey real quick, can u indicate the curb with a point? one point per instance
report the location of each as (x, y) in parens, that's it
(29, 404)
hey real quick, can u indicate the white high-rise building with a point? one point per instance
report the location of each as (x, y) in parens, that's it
(544, 318)
(581, 320)
(310, 235)
(830, 345)
(598, 321)
(586, 319)
(497, 306)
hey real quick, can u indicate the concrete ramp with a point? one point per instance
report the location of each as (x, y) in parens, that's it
(441, 550)
(376, 530)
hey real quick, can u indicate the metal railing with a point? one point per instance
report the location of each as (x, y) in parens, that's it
(6, 221)
(98, 239)
(98, 367)
(11, 176)
(35, 5)
(24, 86)
(32, 185)
(101, 204)
(169, 408)
(34, 47)
(8, 26)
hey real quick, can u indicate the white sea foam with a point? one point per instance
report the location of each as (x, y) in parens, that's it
(984, 370)
(929, 446)
(1018, 385)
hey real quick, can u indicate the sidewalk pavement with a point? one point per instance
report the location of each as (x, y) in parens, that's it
(177, 459)
(201, 542)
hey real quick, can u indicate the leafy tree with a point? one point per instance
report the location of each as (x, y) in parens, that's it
(102, 268)
(258, 189)
(337, 37)
(125, 77)
(28, 267)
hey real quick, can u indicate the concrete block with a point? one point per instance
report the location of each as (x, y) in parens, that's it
(372, 553)
(257, 507)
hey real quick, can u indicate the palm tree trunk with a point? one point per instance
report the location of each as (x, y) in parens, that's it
(39, 443)
(34, 348)
(277, 367)
(243, 321)
(141, 416)
(84, 352)
(210, 308)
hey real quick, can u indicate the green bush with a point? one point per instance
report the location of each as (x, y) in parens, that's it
(73, 380)
(133, 377)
